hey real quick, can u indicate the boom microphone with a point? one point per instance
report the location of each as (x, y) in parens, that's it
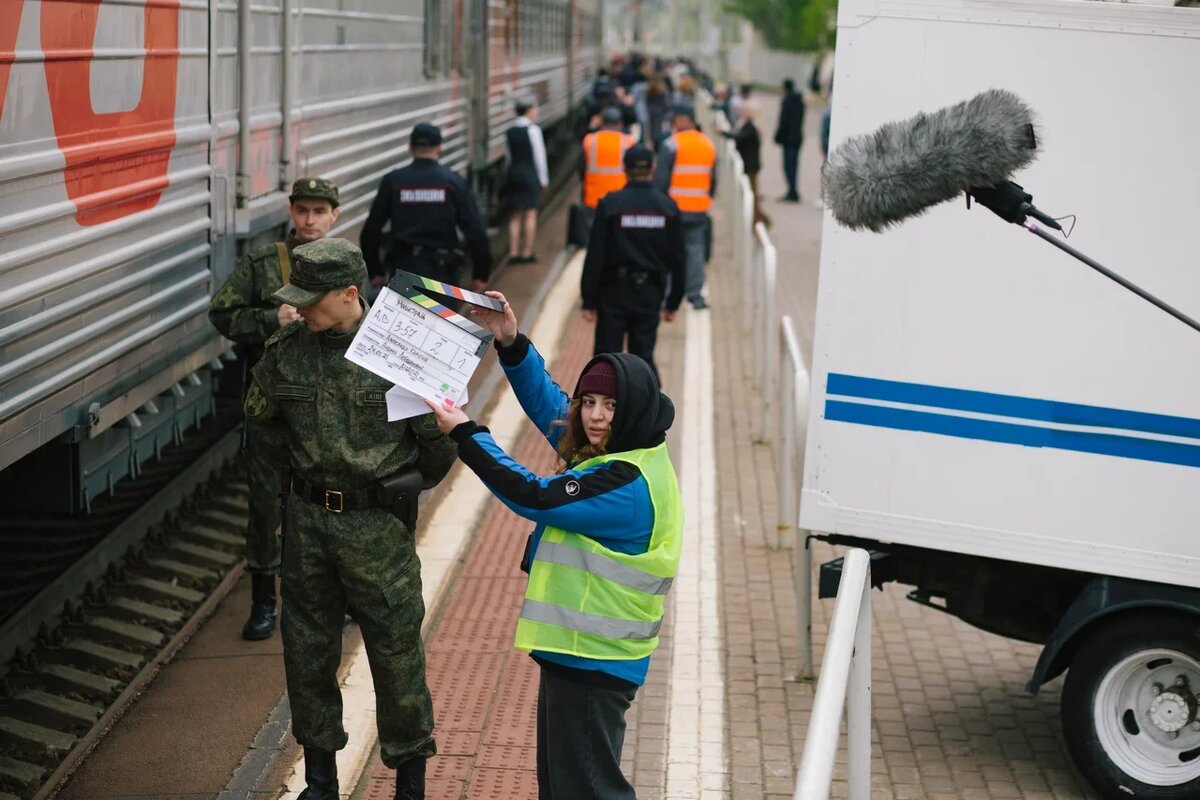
(882, 178)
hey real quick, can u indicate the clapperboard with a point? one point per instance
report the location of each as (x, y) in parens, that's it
(427, 350)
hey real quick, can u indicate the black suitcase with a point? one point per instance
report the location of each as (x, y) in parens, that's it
(579, 225)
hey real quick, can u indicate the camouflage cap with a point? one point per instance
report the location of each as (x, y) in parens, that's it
(320, 267)
(314, 189)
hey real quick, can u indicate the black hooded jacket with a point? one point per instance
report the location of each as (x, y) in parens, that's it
(643, 412)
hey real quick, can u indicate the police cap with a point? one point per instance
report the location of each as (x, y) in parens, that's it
(319, 268)
(425, 134)
(639, 157)
(313, 188)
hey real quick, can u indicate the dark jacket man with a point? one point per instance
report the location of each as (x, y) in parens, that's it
(427, 206)
(789, 134)
(636, 249)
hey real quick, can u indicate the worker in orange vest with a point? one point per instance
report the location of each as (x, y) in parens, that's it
(687, 171)
(603, 149)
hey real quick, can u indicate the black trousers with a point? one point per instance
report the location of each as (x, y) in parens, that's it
(580, 733)
(617, 321)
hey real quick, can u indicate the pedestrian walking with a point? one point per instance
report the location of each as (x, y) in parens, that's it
(636, 251)
(349, 520)
(609, 530)
(789, 134)
(425, 206)
(527, 176)
(245, 310)
(657, 112)
(687, 171)
(746, 139)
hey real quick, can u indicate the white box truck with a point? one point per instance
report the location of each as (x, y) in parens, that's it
(1008, 431)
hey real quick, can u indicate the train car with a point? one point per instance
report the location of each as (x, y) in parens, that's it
(144, 148)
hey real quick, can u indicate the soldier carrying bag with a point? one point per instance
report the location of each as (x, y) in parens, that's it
(399, 493)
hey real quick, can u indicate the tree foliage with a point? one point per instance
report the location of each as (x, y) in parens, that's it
(797, 25)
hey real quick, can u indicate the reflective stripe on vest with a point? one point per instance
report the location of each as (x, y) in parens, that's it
(691, 175)
(608, 627)
(586, 600)
(603, 171)
(600, 564)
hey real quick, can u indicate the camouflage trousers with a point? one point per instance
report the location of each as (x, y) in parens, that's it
(262, 529)
(367, 559)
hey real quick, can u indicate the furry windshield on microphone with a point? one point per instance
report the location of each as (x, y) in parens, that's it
(900, 170)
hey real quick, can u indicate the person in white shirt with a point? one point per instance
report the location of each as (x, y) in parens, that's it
(528, 174)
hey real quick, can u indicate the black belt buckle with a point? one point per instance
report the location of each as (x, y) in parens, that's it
(330, 497)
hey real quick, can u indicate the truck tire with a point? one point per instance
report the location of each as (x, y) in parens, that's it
(1129, 708)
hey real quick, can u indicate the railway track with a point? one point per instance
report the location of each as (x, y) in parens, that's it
(158, 574)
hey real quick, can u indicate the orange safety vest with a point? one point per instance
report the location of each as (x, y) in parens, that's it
(691, 177)
(604, 172)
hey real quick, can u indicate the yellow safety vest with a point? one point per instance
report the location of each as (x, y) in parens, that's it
(604, 171)
(588, 601)
(691, 177)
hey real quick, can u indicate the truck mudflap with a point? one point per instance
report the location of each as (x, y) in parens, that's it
(1101, 599)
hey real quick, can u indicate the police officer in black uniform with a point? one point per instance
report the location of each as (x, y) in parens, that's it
(426, 205)
(635, 253)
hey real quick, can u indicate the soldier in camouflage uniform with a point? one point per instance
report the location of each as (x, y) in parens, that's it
(325, 418)
(245, 311)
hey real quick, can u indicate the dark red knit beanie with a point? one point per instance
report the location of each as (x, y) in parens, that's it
(600, 379)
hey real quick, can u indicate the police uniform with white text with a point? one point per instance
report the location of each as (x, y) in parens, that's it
(426, 206)
(634, 254)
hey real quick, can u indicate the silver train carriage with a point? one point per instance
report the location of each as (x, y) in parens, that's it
(145, 145)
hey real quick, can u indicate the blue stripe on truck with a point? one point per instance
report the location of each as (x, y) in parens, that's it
(1011, 433)
(1011, 406)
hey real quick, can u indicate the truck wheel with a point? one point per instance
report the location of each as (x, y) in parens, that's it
(1129, 708)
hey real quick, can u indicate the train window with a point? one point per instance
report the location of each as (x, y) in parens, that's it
(439, 44)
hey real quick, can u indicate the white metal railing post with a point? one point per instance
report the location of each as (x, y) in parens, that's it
(858, 701)
(767, 325)
(793, 411)
(845, 683)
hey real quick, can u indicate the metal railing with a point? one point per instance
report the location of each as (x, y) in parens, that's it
(778, 366)
(779, 370)
(845, 683)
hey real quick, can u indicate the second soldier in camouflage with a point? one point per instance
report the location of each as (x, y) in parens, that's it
(245, 310)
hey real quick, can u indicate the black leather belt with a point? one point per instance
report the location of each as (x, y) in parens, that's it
(335, 500)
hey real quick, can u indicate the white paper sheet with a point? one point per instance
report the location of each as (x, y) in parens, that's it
(416, 349)
(403, 404)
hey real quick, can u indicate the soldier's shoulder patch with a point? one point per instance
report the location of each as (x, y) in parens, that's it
(228, 296)
(256, 401)
(286, 331)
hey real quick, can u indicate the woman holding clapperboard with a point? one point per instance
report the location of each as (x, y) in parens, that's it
(603, 554)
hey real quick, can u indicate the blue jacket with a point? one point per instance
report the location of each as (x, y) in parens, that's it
(610, 503)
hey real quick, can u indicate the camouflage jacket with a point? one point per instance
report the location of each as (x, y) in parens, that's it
(326, 418)
(243, 309)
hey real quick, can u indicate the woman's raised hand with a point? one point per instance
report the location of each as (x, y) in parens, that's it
(502, 325)
(448, 416)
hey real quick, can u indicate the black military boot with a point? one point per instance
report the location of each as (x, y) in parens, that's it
(261, 623)
(410, 779)
(320, 773)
